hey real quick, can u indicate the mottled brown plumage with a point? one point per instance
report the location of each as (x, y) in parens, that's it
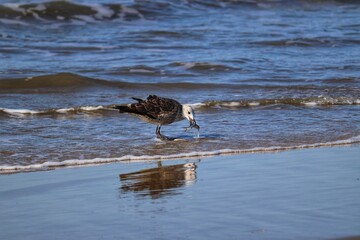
(155, 110)
(159, 111)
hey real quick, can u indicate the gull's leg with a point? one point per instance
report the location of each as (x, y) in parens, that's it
(160, 136)
(158, 131)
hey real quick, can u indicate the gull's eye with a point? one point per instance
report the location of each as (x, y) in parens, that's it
(188, 112)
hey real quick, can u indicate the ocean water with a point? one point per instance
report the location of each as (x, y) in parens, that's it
(261, 75)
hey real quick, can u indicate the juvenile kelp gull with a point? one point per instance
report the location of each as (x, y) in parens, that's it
(159, 111)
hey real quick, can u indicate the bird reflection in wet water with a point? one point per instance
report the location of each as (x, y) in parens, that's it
(160, 181)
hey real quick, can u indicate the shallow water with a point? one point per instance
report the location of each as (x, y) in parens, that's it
(259, 73)
(302, 194)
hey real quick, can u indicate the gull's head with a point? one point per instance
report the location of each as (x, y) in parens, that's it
(189, 114)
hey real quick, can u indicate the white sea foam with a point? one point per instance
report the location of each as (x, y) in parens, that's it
(37, 17)
(230, 104)
(15, 7)
(310, 103)
(87, 19)
(131, 158)
(65, 110)
(254, 104)
(19, 111)
(102, 11)
(40, 7)
(13, 22)
(197, 105)
(91, 108)
(19, 8)
(23, 112)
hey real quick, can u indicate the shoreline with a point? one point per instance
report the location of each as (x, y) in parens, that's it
(298, 194)
(130, 158)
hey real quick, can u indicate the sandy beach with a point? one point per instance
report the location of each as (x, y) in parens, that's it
(296, 194)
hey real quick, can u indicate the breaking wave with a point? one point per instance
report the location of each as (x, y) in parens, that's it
(311, 101)
(203, 106)
(131, 158)
(65, 11)
(75, 81)
(77, 13)
(58, 80)
(70, 110)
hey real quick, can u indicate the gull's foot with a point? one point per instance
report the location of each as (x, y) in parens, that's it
(160, 136)
(164, 138)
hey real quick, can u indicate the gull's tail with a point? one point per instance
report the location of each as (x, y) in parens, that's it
(123, 108)
(136, 108)
(149, 109)
(129, 108)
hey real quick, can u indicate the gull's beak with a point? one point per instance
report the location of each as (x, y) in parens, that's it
(193, 124)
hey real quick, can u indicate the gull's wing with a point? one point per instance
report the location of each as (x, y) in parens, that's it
(153, 107)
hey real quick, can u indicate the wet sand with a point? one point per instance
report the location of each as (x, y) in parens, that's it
(297, 194)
